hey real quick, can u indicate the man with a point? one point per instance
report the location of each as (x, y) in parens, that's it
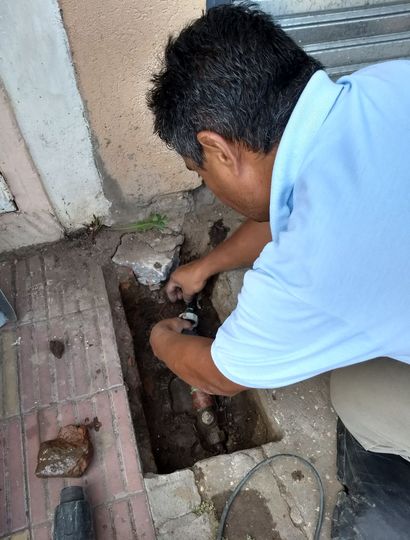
(322, 172)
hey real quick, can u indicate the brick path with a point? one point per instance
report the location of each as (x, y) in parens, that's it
(64, 298)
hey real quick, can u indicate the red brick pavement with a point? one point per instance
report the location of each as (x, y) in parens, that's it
(67, 300)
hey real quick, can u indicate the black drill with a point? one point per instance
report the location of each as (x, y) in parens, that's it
(72, 518)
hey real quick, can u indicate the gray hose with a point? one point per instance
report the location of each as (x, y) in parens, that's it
(252, 471)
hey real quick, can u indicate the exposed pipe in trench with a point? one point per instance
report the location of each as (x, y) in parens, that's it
(203, 404)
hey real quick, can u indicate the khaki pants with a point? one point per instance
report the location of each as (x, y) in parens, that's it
(373, 401)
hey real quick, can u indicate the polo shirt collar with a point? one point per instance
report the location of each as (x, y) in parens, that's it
(311, 110)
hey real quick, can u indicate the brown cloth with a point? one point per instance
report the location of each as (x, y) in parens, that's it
(67, 456)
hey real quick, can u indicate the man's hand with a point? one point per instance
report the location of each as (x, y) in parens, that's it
(186, 281)
(163, 328)
(239, 251)
(189, 357)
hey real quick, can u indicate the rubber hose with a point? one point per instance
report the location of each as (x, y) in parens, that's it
(238, 488)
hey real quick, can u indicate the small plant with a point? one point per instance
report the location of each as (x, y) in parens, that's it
(154, 221)
(206, 507)
(95, 224)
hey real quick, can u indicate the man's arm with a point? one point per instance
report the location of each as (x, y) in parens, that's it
(190, 358)
(239, 250)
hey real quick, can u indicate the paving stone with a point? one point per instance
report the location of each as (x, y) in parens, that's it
(151, 255)
(22, 535)
(172, 495)
(188, 527)
(62, 296)
(308, 425)
(259, 509)
(9, 400)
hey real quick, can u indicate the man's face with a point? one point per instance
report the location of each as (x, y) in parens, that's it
(242, 181)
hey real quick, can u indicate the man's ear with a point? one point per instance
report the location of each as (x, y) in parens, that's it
(218, 149)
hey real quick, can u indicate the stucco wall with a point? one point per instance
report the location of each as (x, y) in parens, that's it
(115, 47)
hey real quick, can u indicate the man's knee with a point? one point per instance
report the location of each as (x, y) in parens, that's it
(373, 401)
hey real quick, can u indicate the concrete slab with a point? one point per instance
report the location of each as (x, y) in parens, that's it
(307, 421)
(187, 527)
(151, 255)
(172, 495)
(259, 511)
(176, 507)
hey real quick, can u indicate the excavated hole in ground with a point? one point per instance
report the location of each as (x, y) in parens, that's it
(166, 400)
(164, 420)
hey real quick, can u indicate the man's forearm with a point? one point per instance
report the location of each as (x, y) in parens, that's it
(240, 250)
(190, 358)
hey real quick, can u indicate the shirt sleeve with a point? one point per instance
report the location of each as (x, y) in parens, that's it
(274, 339)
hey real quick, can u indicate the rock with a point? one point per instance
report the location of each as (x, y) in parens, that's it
(203, 196)
(151, 255)
(174, 208)
(172, 495)
(68, 456)
(225, 292)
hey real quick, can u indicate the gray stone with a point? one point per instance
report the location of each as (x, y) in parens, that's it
(188, 527)
(172, 495)
(203, 196)
(225, 292)
(265, 514)
(174, 207)
(151, 255)
(308, 424)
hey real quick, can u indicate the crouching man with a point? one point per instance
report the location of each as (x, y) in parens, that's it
(321, 169)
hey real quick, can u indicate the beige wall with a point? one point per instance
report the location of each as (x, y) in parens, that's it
(115, 46)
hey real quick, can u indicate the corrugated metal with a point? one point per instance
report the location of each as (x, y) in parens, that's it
(347, 39)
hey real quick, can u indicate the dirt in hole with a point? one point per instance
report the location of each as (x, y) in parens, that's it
(217, 233)
(166, 400)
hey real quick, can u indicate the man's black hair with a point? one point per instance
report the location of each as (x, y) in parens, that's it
(233, 71)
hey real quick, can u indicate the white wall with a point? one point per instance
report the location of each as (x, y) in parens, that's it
(36, 69)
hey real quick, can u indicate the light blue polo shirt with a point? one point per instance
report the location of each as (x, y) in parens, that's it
(333, 287)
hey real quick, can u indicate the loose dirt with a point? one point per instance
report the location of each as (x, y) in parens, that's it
(166, 400)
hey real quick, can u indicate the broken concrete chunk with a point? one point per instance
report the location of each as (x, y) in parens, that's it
(203, 196)
(151, 255)
(225, 292)
(66, 456)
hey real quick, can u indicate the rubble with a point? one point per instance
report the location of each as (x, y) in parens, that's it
(151, 255)
(225, 292)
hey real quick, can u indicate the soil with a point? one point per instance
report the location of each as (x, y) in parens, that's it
(249, 516)
(217, 233)
(166, 400)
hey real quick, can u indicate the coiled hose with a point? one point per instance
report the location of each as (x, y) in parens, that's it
(238, 488)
